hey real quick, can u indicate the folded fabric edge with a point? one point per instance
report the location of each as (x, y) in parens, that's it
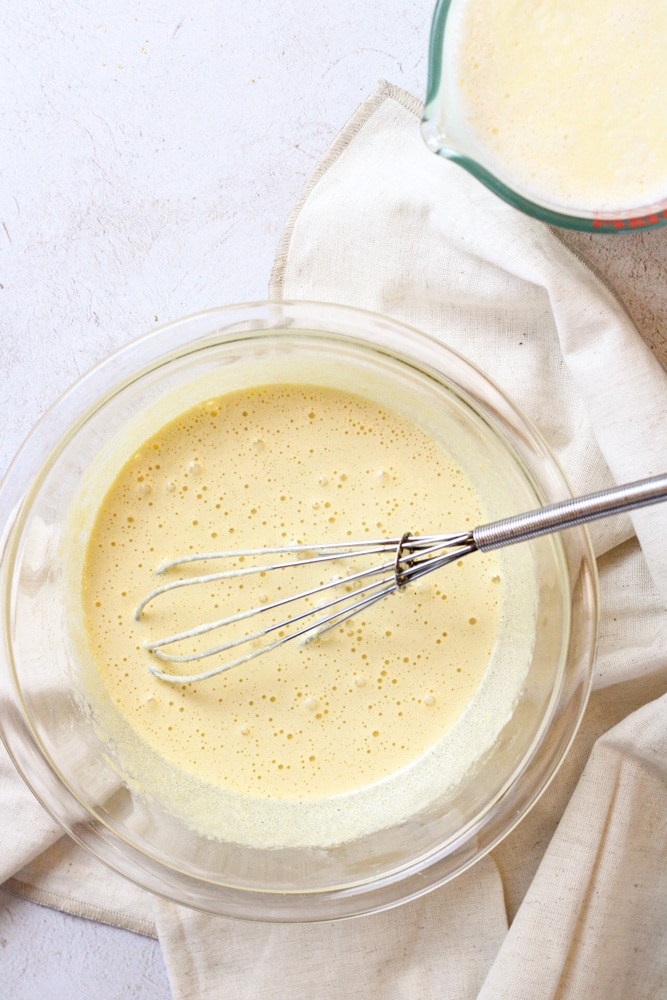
(348, 132)
(77, 908)
(562, 236)
(555, 917)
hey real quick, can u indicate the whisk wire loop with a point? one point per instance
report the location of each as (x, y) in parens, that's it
(412, 557)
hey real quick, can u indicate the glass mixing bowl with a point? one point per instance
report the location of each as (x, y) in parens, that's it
(444, 135)
(59, 744)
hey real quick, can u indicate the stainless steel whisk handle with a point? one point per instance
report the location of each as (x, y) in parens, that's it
(569, 513)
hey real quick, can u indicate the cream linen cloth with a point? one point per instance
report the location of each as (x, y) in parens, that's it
(573, 904)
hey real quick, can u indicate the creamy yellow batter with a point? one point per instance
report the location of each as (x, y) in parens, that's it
(563, 100)
(264, 467)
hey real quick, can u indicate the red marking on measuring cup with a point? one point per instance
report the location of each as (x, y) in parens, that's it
(608, 224)
(640, 222)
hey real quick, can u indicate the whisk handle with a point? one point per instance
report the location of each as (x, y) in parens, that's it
(568, 513)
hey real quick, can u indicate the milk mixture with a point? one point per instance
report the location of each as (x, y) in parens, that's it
(307, 723)
(563, 100)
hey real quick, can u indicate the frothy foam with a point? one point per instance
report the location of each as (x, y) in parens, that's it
(284, 749)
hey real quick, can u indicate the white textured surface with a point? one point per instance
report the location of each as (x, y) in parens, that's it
(44, 953)
(150, 151)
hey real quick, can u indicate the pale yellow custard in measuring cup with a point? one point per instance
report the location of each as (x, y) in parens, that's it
(308, 728)
(563, 101)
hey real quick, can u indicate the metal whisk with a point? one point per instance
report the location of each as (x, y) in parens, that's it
(315, 611)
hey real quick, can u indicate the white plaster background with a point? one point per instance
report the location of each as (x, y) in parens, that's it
(150, 151)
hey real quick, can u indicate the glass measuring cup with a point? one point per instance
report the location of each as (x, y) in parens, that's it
(448, 133)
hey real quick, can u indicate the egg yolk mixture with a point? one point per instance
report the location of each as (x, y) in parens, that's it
(271, 466)
(564, 100)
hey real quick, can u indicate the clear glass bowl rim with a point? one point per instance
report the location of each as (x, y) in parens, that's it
(42, 775)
